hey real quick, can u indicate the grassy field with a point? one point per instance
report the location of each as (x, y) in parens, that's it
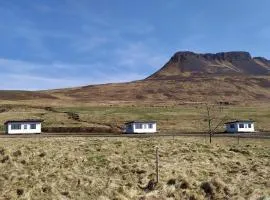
(170, 118)
(101, 169)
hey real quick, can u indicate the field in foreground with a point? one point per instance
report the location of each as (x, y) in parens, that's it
(100, 168)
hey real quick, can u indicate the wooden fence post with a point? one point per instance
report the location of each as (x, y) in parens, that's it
(157, 165)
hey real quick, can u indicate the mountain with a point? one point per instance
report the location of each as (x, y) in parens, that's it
(231, 77)
(186, 64)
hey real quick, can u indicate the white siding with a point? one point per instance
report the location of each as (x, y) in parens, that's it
(240, 127)
(246, 128)
(25, 128)
(141, 128)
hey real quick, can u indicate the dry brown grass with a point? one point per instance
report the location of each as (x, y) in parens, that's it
(100, 168)
(236, 89)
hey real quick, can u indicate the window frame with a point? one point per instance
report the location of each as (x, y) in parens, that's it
(138, 126)
(241, 125)
(16, 126)
(31, 126)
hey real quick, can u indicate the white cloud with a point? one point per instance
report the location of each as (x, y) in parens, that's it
(137, 56)
(124, 51)
(22, 75)
(32, 82)
(15, 65)
(88, 44)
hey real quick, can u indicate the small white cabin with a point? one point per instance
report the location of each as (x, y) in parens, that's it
(28, 126)
(141, 127)
(241, 126)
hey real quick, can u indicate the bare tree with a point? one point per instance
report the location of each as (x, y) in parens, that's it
(214, 116)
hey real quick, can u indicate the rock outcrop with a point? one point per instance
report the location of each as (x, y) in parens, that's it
(186, 64)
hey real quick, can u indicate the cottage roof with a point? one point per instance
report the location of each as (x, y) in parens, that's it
(24, 120)
(146, 122)
(240, 121)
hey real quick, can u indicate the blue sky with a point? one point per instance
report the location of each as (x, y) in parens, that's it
(61, 43)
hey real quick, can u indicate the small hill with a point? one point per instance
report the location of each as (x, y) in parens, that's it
(189, 64)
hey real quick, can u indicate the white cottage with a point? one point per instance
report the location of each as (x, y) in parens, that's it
(28, 126)
(141, 127)
(244, 126)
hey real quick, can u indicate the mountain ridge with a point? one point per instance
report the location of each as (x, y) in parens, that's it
(188, 63)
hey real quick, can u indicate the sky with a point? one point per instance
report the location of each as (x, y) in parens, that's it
(47, 44)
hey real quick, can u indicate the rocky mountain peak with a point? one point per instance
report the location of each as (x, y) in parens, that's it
(187, 63)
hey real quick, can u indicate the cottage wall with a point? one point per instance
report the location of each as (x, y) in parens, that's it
(141, 128)
(239, 127)
(25, 128)
(145, 128)
(246, 128)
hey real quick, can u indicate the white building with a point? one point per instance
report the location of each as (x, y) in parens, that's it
(28, 126)
(240, 126)
(141, 127)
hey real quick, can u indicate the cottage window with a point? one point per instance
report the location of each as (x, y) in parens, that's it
(150, 126)
(249, 125)
(241, 125)
(16, 126)
(25, 126)
(232, 126)
(33, 126)
(138, 126)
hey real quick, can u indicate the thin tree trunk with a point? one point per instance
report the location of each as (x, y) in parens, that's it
(157, 165)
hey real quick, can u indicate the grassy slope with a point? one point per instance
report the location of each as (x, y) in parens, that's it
(186, 118)
(101, 169)
(170, 118)
(172, 103)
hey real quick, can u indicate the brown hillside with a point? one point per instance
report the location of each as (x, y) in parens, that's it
(24, 95)
(232, 89)
(190, 77)
(233, 77)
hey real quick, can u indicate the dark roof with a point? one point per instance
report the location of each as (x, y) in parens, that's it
(24, 120)
(140, 122)
(240, 121)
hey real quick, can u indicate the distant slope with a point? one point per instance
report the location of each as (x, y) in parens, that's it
(233, 89)
(186, 64)
(233, 77)
(24, 95)
(190, 77)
